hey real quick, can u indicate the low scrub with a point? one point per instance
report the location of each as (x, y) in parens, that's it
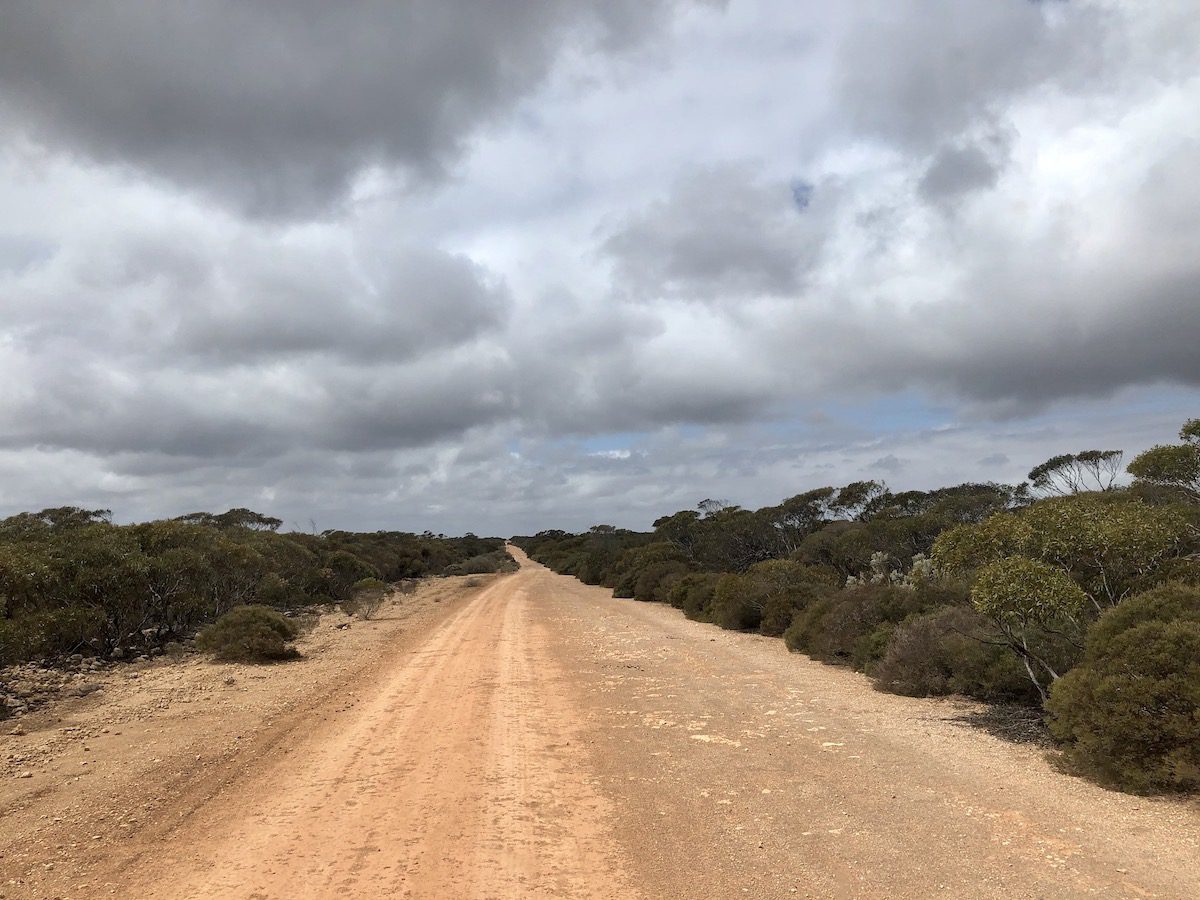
(368, 597)
(768, 595)
(694, 594)
(50, 633)
(654, 582)
(854, 627)
(250, 634)
(483, 564)
(952, 651)
(1129, 714)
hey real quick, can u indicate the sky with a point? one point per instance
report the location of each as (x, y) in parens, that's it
(500, 267)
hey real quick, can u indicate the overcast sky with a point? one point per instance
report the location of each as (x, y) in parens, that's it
(499, 267)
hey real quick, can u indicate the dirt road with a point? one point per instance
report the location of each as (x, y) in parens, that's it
(536, 738)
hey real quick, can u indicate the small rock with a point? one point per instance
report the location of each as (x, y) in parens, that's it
(24, 774)
(18, 731)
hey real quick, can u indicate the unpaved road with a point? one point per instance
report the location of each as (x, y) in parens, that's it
(536, 738)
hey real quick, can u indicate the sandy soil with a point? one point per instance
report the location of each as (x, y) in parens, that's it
(533, 737)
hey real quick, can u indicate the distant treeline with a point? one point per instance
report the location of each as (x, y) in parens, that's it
(1068, 593)
(71, 581)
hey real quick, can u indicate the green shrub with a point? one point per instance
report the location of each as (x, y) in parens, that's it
(1129, 714)
(694, 595)
(659, 558)
(731, 606)
(483, 564)
(274, 590)
(16, 644)
(654, 581)
(767, 596)
(952, 651)
(249, 634)
(51, 633)
(853, 627)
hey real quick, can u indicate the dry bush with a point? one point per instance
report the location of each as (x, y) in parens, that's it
(368, 598)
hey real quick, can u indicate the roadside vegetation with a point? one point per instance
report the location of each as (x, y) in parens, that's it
(72, 582)
(251, 633)
(1070, 593)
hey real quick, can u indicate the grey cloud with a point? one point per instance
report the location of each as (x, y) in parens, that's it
(275, 107)
(960, 168)
(246, 298)
(1020, 337)
(916, 74)
(198, 344)
(425, 300)
(18, 252)
(889, 464)
(250, 413)
(719, 234)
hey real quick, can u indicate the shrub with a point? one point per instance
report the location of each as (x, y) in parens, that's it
(854, 626)
(731, 607)
(654, 581)
(952, 651)
(766, 597)
(1129, 714)
(274, 590)
(51, 633)
(694, 595)
(631, 565)
(483, 564)
(249, 634)
(368, 597)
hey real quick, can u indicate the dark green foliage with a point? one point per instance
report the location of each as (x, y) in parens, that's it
(731, 608)
(767, 596)
(70, 581)
(952, 650)
(1129, 714)
(249, 634)
(49, 633)
(654, 582)
(694, 594)
(342, 570)
(1175, 467)
(845, 547)
(274, 590)
(853, 627)
(596, 557)
(658, 559)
